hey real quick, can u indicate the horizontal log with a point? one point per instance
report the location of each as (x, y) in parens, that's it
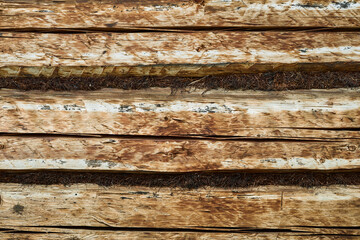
(299, 114)
(271, 207)
(161, 155)
(240, 50)
(112, 14)
(115, 235)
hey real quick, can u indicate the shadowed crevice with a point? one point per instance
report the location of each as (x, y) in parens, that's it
(185, 180)
(270, 81)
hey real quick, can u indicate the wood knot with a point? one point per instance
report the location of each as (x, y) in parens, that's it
(351, 148)
(18, 209)
(200, 48)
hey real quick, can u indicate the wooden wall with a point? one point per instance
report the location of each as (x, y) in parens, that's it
(176, 37)
(160, 131)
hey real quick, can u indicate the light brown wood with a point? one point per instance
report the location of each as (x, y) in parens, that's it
(140, 207)
(300, 114)
(161, 155)
(288, 50)
(112, 14)
(115, 235)
(192, 70)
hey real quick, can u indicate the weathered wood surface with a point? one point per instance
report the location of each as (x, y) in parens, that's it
(140, 207)
(115, 235)
(193, 70)
(135, 155)
(244, 49)
(112, 14)
(300, 114)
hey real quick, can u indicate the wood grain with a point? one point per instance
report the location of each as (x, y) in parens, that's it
(140, 207)
(299, 114)
(193, 70)
(152, 14)
(287, 50)
(139, 155)
(115, 235)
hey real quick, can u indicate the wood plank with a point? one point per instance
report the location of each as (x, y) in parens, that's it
(115, 235)
(269, 207)
(289, 50)
(161, 155)
(299, 114)
(112, 14)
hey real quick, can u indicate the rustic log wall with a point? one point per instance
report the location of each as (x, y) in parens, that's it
(152, 130)
(156, 130)
(213, 36)
(161, 132)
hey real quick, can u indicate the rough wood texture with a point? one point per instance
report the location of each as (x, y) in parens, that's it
(112, 14)
(197, 49)
(308, 114)
(194, 70)
(117, 154)
(47, 233)
(232, 210)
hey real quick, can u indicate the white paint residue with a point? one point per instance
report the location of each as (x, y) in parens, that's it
(73, 164)
(311, 105)
(323, 195)
(90, 55)
(273, 163)
(292, 163)
(348, 52)
(292, 5)
(120, 57)
(16, 57)
(161, 8)
(100, 106)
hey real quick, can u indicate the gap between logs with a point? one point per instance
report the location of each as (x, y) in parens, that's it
(191, 180)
